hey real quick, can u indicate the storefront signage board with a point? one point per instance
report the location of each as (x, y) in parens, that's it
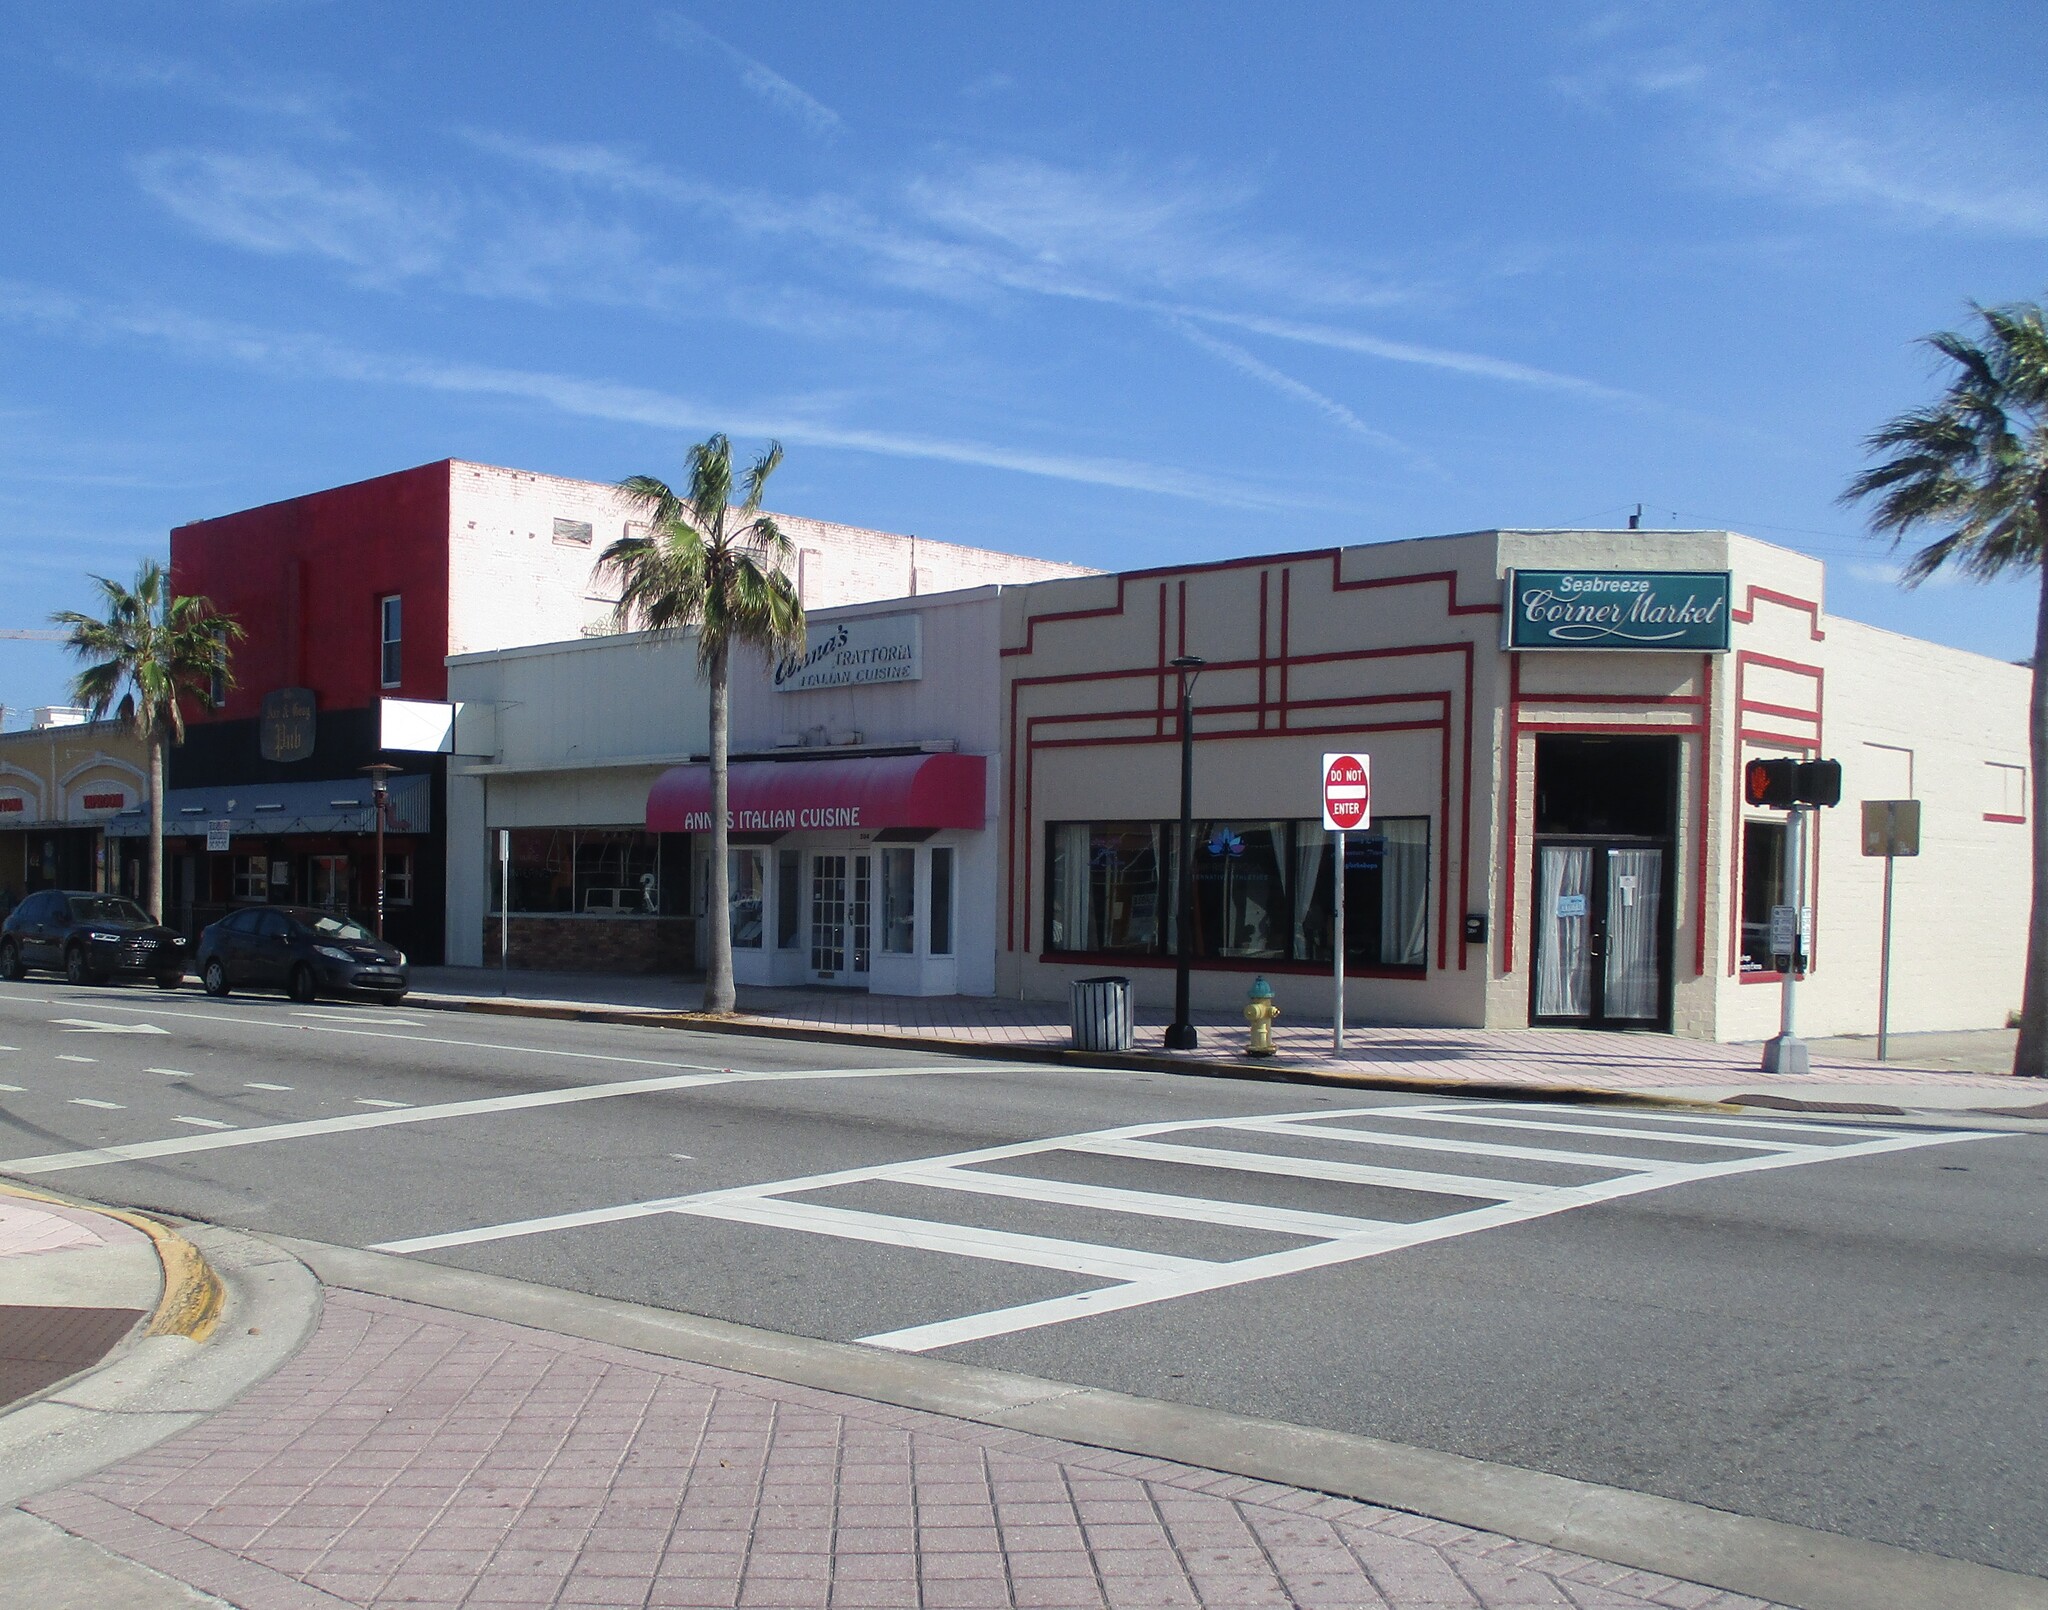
(288, 724)
(855, 653)
(219, 835)
(1618, 609)
(1347, 792)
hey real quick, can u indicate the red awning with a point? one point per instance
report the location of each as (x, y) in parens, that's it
(856, 794)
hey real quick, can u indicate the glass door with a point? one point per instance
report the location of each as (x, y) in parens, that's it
(1601, 936)
(842, 902)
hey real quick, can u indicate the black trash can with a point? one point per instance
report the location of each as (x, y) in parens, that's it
(1102, 1014)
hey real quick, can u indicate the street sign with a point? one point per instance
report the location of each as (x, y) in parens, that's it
(219, 835)
(1891, 827)
(1347, 792)
(1784, 928)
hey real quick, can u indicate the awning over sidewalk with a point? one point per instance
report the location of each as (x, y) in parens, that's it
(854, 794)
(341, 806)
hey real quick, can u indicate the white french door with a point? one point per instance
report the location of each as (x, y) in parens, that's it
(842, 905)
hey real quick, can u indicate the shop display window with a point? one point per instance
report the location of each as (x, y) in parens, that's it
(899, 902)
(1264, 891)
(942, 902)
(398, 879)
(252, 877)
(745, 872)
(1763, 886)
(789, 888)
(592, 871)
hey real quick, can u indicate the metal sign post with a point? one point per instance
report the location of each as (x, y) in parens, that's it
(1786, 1052)
(1347, 804)
(1337, 947)
(1891, 828)
(504, 907)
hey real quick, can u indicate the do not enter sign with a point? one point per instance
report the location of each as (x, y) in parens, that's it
(1347, 792)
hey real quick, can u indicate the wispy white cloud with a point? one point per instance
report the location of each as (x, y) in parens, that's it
(756, 77)
(303, 355)
(1249, 364)
(1748, 122)
(312, 105)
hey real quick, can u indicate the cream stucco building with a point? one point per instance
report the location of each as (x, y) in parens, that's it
(1558, 831)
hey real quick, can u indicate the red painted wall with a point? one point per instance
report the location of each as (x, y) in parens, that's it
(304, 578)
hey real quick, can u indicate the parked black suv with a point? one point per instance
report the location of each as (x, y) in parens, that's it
(89, 938)
(301, 950)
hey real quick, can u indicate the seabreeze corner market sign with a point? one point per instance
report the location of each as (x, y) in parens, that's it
(853, 653)
(1625, 609)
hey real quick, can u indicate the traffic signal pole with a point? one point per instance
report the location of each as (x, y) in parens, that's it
(1785, 1052)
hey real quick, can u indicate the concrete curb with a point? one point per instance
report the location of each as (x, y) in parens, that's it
(1122, 1061)
(1784, 1564)
(192, 1297)
(164, 1382)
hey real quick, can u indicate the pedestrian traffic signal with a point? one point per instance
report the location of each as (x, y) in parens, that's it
(1779, 785)
(1772, 784)
(1820, 782)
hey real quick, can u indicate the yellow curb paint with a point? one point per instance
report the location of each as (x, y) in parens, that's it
(192, 1297)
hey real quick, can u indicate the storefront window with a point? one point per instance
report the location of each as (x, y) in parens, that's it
(398, 879)
(1263, 891)
(942, 902)
(1763, 886)
(744, 870)
(899, 902)
(252, 877)
(788, 897)
(1106, 882)
(596, 871)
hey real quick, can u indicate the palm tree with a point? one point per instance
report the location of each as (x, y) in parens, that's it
(151, 652)
(1975, 466)
(718, 567)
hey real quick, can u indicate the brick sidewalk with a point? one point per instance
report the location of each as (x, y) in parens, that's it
(413, 1456)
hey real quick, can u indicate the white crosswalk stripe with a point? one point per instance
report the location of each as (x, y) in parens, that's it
(1290, 1146)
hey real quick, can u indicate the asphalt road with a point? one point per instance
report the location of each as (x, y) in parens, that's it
(1836, 1324)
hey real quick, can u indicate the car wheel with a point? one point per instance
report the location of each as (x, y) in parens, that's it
(169, 980)
(10, 961)
(214, 979)
(75, 968)
(303, 986)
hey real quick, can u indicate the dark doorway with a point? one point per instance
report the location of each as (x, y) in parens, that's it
(1601, 886)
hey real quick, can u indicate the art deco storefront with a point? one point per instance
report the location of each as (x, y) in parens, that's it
(1556, 724)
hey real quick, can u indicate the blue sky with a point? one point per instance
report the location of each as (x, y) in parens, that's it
(1122, 284)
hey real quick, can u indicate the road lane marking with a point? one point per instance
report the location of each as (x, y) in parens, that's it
(253, 1084)
(169, 1073)
(201, 1123)
(372, 1101)
(64, 1057)
(14, 1090)
(1603, 1130)
(94, 1157)
(93, 1025)
(1151, 1276)
(89, 1101)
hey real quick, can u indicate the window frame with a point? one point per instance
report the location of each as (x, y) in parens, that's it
(391, 640)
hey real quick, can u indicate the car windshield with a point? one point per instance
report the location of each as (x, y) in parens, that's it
(341, 928)
(107, 908)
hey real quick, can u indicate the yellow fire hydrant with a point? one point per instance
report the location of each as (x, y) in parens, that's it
(1259, 1012)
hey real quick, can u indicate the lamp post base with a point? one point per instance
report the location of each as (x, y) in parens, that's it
(1786, 1053)
(1180, 1036)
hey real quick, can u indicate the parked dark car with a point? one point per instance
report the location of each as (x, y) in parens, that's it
(301, 950)
(89, 938)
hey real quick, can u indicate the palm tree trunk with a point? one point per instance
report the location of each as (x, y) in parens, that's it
(156, 825)
(719, 993)
(2031, 1055)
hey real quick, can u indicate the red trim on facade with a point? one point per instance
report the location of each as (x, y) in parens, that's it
(1996, 816)
(1743, 706)
(1021, 859)
(1805, 605)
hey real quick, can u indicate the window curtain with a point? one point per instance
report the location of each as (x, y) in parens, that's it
(1635, 899)
(1312, 914)
(1070, 926)
(1404, 892)
(1563, 970)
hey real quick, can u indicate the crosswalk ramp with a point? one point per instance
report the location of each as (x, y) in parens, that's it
(1315, 1189)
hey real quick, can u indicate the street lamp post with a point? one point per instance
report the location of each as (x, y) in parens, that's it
(380, 796)
(1180, 1033)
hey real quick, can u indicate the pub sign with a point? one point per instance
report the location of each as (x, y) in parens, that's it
(1618, 609)
(285, 731)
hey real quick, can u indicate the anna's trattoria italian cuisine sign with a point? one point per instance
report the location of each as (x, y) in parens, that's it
(1625, 609)
(851, 653)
